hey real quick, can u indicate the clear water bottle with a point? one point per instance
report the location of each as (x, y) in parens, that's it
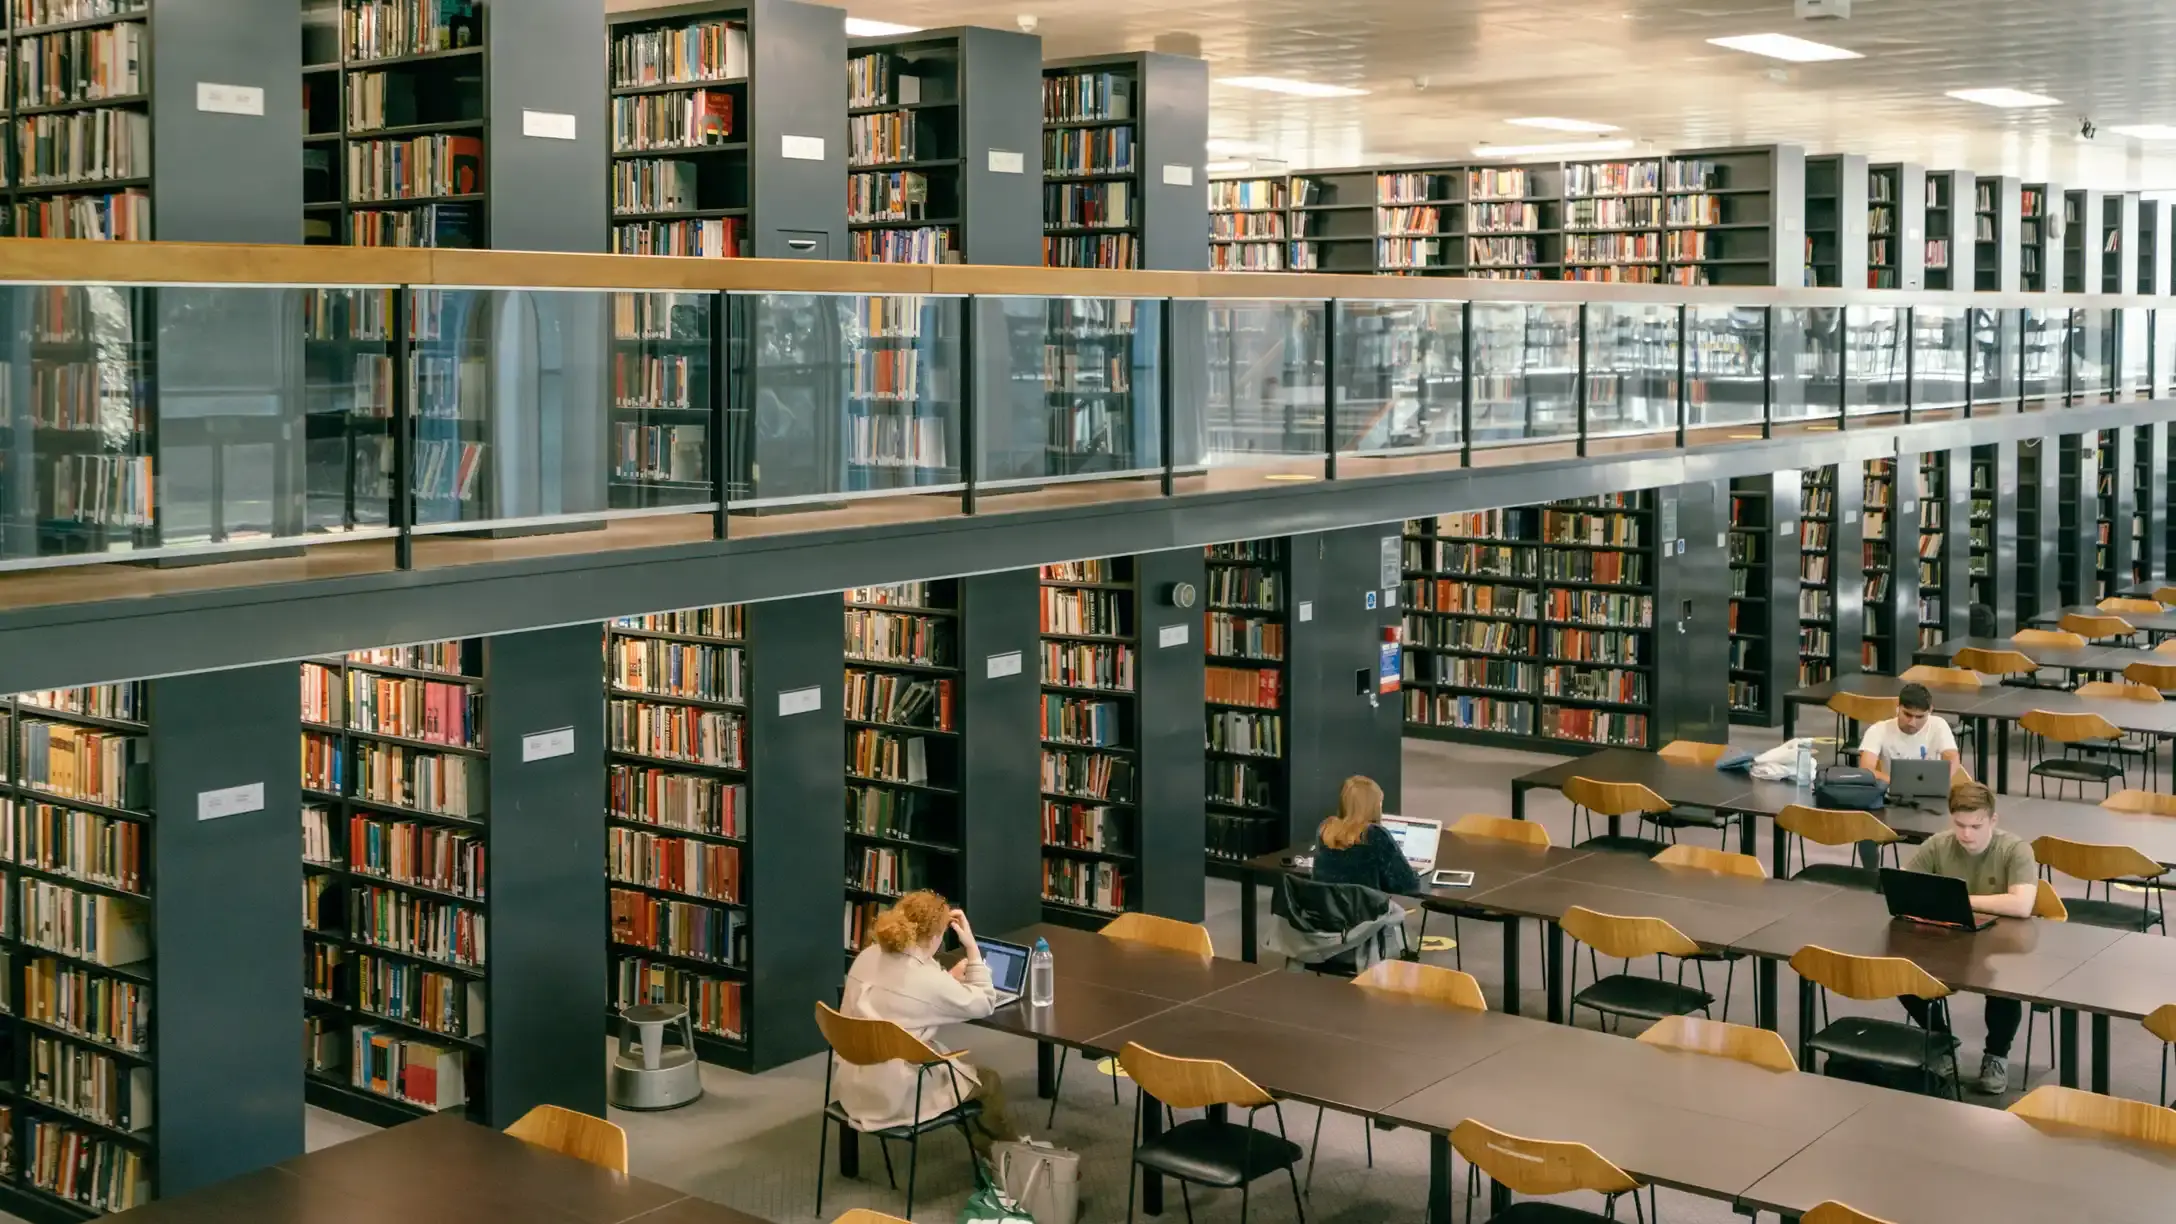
(1804, 772)
(1042, 975)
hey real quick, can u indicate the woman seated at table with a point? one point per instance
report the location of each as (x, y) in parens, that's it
(897, 978)
(1351, 848)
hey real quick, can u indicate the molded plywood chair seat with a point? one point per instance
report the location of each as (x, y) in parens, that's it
(2144, 745)
(1169, 934)
(2119, 604)
(1835, 827)
(1449, 988)
(2076, 1109)
(1718, 1039)
(1718, 862)
(2045, 904)
(2104, 865)
(2160, 677)
(2086, 741)
(1206, 1151)
(2033, 639)
(570, 1133)
(2120, 690)
(1854, 713)
(2165, 596)
(1590, 798)
(1833, 1212)
(1943, 677)
(1495, 828)
(2001, 664)
(1888, 1043)
(2161, 1022)
(1627, 939)
(2168, 647)
(2102, 629)
(1539, 1167)
(1680, 816)
(862, 1215)
(2143, 802)
(868, 1043)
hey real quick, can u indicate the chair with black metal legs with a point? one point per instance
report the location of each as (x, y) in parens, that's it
(1894, 1044)
(1716, 862)
(2068, 1111)
(1836, 827)
(1171, 935)
(2085, 740)
(2045, 904)
(2104, 629)
(2143, 746)
(1542, 1167)
(868, 1043)
(2162, 1024)
(1854, 713)
(1719, 1039)
(2106, 866)
(1694, 752)
(1590, 798)
(1495, 828)
(1210, 1150)
(1626, 993)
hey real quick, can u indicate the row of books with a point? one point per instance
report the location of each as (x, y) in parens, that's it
(1103, 150)
(1087, 97)
(1232, 635)
(1084, 826)
(932, 244)
(86, 763)
(1612, 178)
(876, 636)
(1448, 595)
(660, 454)
(1246, 225)
(439, 164)
(677, 669)
(1098, 665)
(1246, 195)
(1238, 733)
(405, 706)
(887, 870)
(1089, 612)
(84, 397)
(446, 226)
(696, 803)
(700, 51)
(1510, 675)
(1617, 568)
(1595, 726)
(885, 756)
(85, 1168)
(725, 621)
(880, 811)
(428, 856)
(679, 928)
(906, 701)
(876, 78)
(1090, 206)
(123, 216)
(1241, 784)
(85, 845)
(1596, 646)
(1245, 587)
(1635, 212)
(1082, 721)
(95, 1006)
(85, 146)
(1261, 688)
(675, 864)
(424, 927)
(1087, 775)
(875, 140)
(714, 1004)
(654, 185)
(680, 120)
(447, 470)
(89, 1084)
(677, 733)
(694, 237)
(422, 1073)
(1475, 636)
(1468, 712)
(898, 195)
(129, 700)
(80, 65)
(432, 782)
(1091, 251)
(1629, 687)
(1088, 885)
(426, 998)
(379, 29)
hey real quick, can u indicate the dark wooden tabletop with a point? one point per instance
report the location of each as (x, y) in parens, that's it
(1493, 863)
(2064, 658)
(2011, 702)
(1947, 699)
(2154, 622)
(2030, 817)
(2131, 977)
(1134, 968)
(1694, 785)
(1918, 1158)
(1710, 909)
(437, 1170)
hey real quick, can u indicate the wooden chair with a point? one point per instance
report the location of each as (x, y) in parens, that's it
(2168, 647)
(2086, 739)
(2120, 604)
(1539, 1167)
(1497, 828)
(1208, 1151)
(1698, 1035)
(2101, 630)
(2075, 1109)
(1167, 933)
(1943, 677)
(2059, 638)
(2165, 596)
(1625, 993)
(1433, 983)
(2104, 865)
(1836, 827)
(2001, 664)
(2160, 677)
(1887, 1043)
(570, 1133)
(1591, 798)
(1833, 1212)
(1682, 816)
(2145, 745)
(2046, 905)
(1718, 862)
(2121, 690)
(2145, 803)
(862, 1215)
(2162, 1024)
(1854, 713)
(869, 1043)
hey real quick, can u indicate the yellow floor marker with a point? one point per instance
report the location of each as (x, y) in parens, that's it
(1437, 943)
(1109, 1066)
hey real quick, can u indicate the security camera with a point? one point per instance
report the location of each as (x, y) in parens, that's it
(1027, 22)
(2086, 129)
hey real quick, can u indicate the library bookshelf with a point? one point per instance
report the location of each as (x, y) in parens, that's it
(1879, 559)
(664, 359)
(2148, 511)
(2037, 511)
(1247, 223)
(1246, 632)
(905, 748)
(1093, 164)
(2038, 249)
(676, 780)
(2108, 481)
(1817, 575)
(680, 155)
(1089, 620)
(1751, 555)
(82, 166)
(1948, 244)
(1942, 598)
(1980, 547)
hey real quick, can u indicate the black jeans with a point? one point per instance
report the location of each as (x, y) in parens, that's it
(2003, 1017)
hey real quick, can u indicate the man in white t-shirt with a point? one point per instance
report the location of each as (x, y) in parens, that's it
(1915, 734)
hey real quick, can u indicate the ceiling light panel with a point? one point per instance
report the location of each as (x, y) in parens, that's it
(1553, 124)
(2007, 99)
(1567, 147)
(1285, 85)
(862, 27)
(1785, 47)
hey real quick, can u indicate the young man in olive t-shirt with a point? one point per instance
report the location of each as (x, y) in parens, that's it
(1998, 869)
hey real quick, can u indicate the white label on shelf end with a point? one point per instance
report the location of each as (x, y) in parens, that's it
(1786, 527)
(232, 801)
(1002, 665)
(1307, 610)
(801, 148)
(547, 125)
(1005, 161)
(544, 745)
(229, 99)
(800, 701)
(1171, 635)
(1178, 176)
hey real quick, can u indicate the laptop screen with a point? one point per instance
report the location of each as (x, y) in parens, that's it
(1417, 839)
(1008, 965)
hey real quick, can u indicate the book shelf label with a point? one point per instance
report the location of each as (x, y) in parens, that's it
(801, 148)
(547, 125)
(1391, 561)
(1307, 610)
(800, 701)
(230, 801)
(1005, 161)
(544, 745)
(229, 99)
(1171, 635)
(1002, 665)
(1178, 176)
(1371, 601)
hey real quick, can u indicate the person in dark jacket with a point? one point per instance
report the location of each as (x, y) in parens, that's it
(1353, 847)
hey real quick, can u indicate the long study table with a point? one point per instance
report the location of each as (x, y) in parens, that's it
(2104, 660)
(1706, 1125)
(2157, 624)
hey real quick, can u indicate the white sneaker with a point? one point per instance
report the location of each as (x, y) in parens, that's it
(1994, 1077)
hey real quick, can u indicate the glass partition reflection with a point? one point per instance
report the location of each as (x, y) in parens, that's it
(1808, 365)
(1398, 371)
(1726, 352)
(662, 401)
(347, 352)
(1266, 381)
(2134, 350)
(1066, 387)
(2163, 343)
(2046, 335)
(2092, 355)
(1940, 344)
(1631, 368)
(1875, 354)
(1995, 343)
(1525, 372)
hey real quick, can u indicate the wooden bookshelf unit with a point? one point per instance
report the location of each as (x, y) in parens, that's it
(1090, 729)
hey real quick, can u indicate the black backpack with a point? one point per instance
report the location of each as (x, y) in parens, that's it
(1848, 786)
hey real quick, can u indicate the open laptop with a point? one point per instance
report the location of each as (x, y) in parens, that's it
(1008, 964)
(1935, 900)
(1919, 784)
(1417, 839)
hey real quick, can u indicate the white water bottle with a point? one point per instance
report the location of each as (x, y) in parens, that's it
(1042, 975)
(1805, 763)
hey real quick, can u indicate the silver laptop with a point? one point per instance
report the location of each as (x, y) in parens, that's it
(1918, 783)
(1417, 840)
(1008, 964)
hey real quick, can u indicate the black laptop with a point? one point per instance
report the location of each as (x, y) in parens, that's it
(1935, 900)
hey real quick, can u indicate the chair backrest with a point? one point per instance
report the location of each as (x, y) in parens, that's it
(2167, 647)
(2158, 676)
(2068, 728)
(862, 1215)
(2145, 803)
(865, 1043)
(1623, 937)
(1833, 1212)
(1502, 828)
(1995, 662)
(2030, 638)
(2120, 604)
(569, 1133)
(1189, 1083)
(1538, 1166)
(1699, 1035)
(1861, 708)
(2092, 860)
(1943, 677)
(1721, 862)
(2165, 596)
(1693, 752)
(1167, 933)
(1865, 977)
(1613, 798)
(2045, 904)
(1834, 826)
(2161, 1022)
(1435, 983)
(2106, 1115)
(2090, 626)
(2121, 690)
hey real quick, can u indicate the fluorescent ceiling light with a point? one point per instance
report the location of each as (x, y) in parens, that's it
(1284, 85)
(862, 27)
(2009, 99)
(2147, 131)
(1561, 146)
(1233, 146)
(1563, 125)
(1785, 47)
(1227, 167)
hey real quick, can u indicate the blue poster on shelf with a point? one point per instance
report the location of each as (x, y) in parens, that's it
(1387, 672)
